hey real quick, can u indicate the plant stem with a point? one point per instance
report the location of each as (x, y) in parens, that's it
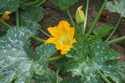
(70, 17)
(45, 33)
(116, 40)
(17, 18)
(86, 15)
(115, 28)
(103, 76)
(40, 3)
(97, 18)
(57, 78)
(32, 3)
(1, 13)
(55, 58)
(4, 23)
(38, 39)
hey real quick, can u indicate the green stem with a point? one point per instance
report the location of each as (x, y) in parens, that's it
(103, 76)
(86, 15)
(45, 33)
(17, 18)
(70, 17)
(4, 23)
(57, 76)
(114, 30)
(32, 3)
(1, 13)
(38, 39)
(40, 3)
(35, 2)
(97, 18)
(56, 58)
(116, 40)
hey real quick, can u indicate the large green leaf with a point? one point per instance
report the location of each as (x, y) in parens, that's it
(14, 61)
(64, 4)
(16, 57)
(42, 54)
(42, 73)
(94, 62)
(117, 6)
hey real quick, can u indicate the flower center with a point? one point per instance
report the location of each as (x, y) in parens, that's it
(63, 39)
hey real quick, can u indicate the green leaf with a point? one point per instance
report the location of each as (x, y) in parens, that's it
(9, 5)
(45, 51)
(102, 31)
(47, 76)
(117, 6)
(42, 73)
(64, 4)
(115, 71)
(42, 54)
(94, 62)
(16, 57)
(31, 14)
(14, 61)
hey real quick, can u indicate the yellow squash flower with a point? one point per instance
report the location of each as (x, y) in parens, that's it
(62, 36)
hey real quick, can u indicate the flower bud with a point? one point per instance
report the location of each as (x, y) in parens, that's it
(5, 15)
(79, 16)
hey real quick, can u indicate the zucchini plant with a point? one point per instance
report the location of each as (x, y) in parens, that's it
(75, 50)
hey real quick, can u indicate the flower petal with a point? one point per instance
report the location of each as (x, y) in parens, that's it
(54, 31)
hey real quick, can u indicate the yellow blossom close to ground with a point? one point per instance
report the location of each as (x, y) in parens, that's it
(62, 36)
